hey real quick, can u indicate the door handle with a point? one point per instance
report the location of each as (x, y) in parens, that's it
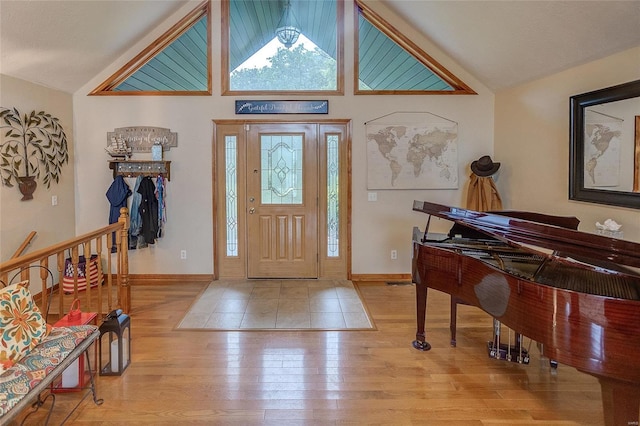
(252, 210)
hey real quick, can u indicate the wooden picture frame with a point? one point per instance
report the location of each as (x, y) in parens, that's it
(578, 106)
(636, 163)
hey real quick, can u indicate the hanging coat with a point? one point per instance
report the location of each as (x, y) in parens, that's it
(117, 195)
(160, 196)
(135, 222)
(483, 195)
(148, 210)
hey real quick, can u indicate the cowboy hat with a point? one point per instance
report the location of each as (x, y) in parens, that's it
(484, 166)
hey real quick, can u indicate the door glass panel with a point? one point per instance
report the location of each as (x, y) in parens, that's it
(281, 160)
(333, 199)
(231, 194)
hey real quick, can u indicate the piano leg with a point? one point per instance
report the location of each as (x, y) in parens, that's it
(620, 402)
(552, 362)
(421, 307)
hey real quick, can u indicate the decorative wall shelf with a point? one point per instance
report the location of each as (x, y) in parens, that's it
(135, 168)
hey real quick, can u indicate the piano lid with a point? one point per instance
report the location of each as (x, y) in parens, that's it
(568, 243)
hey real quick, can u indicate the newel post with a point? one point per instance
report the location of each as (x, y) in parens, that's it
(124, 290)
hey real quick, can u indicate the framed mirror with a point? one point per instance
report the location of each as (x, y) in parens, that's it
(604, 155)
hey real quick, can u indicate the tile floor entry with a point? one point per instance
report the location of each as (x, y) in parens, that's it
(278, 305)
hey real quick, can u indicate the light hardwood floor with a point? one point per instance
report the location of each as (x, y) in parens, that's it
(329, 378)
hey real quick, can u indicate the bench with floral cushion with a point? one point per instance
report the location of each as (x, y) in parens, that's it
(32, 353)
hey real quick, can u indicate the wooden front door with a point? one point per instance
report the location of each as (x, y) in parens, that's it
(282, 200)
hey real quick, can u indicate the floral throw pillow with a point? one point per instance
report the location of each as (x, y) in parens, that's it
(21, 324)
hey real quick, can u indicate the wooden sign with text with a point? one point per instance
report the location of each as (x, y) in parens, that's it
(141, 139)
(282, 107)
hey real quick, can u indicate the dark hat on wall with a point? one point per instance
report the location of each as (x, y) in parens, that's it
(484, 166)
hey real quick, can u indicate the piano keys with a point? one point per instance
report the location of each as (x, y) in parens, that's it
(577, 294)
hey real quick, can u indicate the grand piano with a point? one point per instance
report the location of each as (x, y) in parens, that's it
(577, 294)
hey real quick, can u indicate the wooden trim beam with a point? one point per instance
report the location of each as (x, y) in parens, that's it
(380, 277)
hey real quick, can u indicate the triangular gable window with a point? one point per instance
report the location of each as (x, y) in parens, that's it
(177, 63)
(387, 62)
(282, 46)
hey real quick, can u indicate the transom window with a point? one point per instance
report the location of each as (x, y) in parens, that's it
(284, 46)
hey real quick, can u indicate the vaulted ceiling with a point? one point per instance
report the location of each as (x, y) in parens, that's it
(64, 43)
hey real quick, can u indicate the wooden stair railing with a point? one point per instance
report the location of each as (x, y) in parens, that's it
(114, 293)
(24, 245)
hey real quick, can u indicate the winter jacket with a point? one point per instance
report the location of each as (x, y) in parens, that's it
(135, 221)
(117, 195)
(148, 210)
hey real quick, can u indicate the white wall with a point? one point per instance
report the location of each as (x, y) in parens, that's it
(532, 141)
(378, 226)
(18, 218)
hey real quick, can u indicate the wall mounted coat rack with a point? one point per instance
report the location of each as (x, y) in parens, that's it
(135, 168)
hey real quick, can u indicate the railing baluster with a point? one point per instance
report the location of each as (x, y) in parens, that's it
(98, 242)
(86, 247)
(123, 256)
(25, 274)
(44, 275)
(61, 265)
(109, 275)
(94, 241)
(75, 260)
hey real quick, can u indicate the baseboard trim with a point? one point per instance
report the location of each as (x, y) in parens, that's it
(155, 279)
(380, 277)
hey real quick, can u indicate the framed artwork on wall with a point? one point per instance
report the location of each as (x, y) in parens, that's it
(636, 163)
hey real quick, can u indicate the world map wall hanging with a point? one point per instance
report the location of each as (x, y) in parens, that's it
(412, 151)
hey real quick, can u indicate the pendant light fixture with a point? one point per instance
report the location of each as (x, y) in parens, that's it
(288, 29)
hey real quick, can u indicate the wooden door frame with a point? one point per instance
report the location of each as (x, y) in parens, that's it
(344, 126)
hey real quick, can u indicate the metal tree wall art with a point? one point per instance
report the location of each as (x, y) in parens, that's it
(33, 146)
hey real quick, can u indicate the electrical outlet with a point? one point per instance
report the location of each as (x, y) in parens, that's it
(394, 254)
(183, 254)
(54, 200)
(372, 196)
